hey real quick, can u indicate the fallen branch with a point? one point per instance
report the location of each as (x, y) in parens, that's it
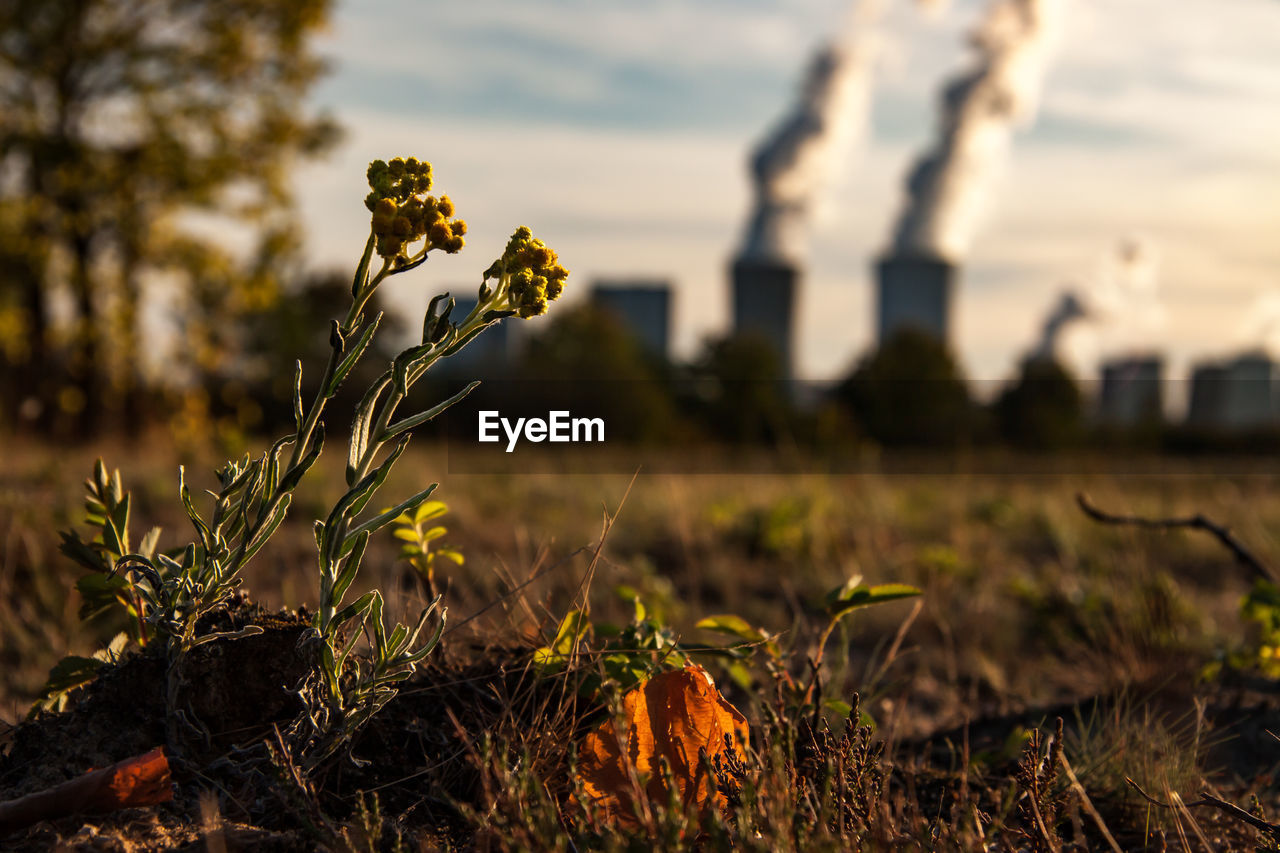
(1243, 555)
(139, 781)
(1207, 799)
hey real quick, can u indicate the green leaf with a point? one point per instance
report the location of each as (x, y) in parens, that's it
(361, 277)
(394, 642)
(433, 534)
(82, 552)
(434, 640)
(838, 706)
(66, 675)
(99, 592)
(298, 417)
(734, 626)
(428, 319)
(329, 549)
(422, 417)
(147, 547)
(349, 570)
(573, 628)
(380, 521)
(201, 528)
(267, 529)
(359, 607)
(362, 424)
(844, 599)
(294, 475)
(408, 534)
(345, 366)
(120, 525)
(403, 362)
(379, 630)
(380, 475)
(451, 554)
(430, 510)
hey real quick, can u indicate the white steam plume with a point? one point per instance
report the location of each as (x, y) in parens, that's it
(1069, 308)
(980, 108)
(1126, 313)
(799, 156)
(1261, 329)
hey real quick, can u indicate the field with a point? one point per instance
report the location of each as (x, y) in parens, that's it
(1030, 612)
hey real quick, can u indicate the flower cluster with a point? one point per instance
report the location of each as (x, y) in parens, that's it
(530, 272)
(404, 214)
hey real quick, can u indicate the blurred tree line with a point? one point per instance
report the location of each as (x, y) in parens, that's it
(908, 394)
(130, 130)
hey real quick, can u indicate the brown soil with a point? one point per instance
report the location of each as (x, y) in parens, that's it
(423, 753)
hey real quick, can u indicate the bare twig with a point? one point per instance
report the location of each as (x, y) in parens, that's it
(1243, 555)
(1207, 799)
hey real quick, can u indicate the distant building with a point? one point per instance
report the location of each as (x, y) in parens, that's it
(643, 307)
(1132, 391)
(764, 298)
(1237, 394)
(914, 292)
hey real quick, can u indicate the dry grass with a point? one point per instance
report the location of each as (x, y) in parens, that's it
(1030, 611)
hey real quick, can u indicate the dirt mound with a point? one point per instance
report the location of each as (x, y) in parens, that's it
(231, 767)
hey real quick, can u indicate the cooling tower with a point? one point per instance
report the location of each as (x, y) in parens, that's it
(643, 307)
(1238, 394)
(1132, 391)
(764, 293)
(914, 291)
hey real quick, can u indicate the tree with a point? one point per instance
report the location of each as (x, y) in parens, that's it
(587, 362)
(909, 392)
(1043, 410)
(747, 395)
(119, 116)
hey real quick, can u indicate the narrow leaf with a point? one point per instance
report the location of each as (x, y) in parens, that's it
(362, 424)
(349, 570)
(267, 529)
(422, 417)
(298, 416)
(346, 365)
(734, 626)
(294, 475)
(380, 521)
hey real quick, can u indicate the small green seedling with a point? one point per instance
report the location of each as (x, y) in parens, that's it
(417, 532)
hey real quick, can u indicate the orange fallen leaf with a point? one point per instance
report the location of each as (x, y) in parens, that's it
(143, 780)
(675, 715)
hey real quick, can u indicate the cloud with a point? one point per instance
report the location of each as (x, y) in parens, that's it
(620, 132)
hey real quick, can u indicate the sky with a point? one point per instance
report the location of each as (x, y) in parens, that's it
(620, 132)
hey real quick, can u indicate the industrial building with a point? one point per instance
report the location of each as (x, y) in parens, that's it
(764, 299)
(1132, 391)
(642, 306)
(914, 291)
(1240, 393)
